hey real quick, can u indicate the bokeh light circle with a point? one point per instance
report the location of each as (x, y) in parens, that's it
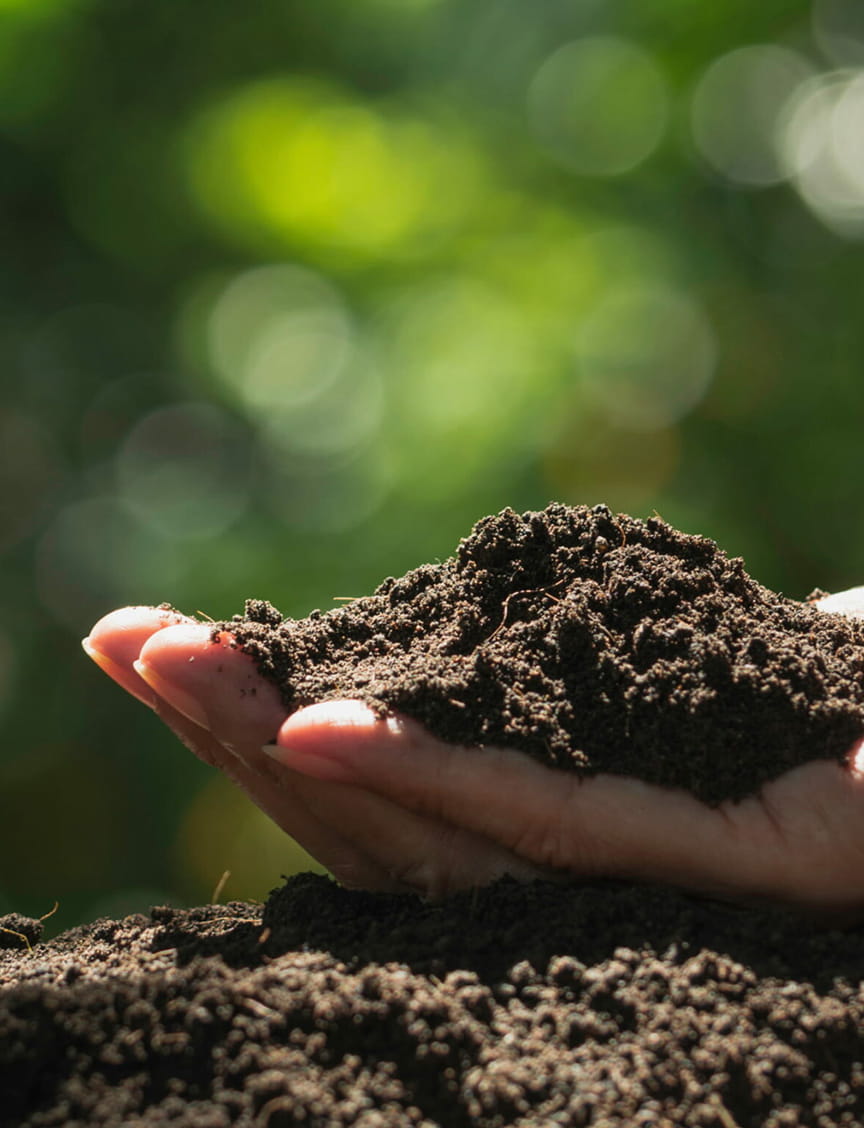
(646, 357)
(30, 469)
(822, 146)
(599, 105)
(284, 162)
(95, 555)
(838, 28)
(183, 471)
(278, 336)
(467, 362)
(286, 348)
(337, 419)
(295, 359)
(736, 108)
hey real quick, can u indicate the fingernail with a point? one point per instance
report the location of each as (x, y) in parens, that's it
(326, 740)
(96, 655)
(121, 675)
(178, 699)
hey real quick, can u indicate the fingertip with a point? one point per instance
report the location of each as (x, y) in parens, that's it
(124, 675)
(134, 620)
(205, 676)
(166, 663)
(177, 698)
(329, 739)
(182, 640)
(331, 714)
(849, 603)
(343, 725)
(115, 641)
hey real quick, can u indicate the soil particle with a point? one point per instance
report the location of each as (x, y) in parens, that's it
(593, 642)
(525, 1005)
(17, 931)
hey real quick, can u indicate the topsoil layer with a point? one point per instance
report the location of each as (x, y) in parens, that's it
(593, 642)
(536, 1005)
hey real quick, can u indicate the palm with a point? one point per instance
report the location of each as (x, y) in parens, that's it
(384, 805)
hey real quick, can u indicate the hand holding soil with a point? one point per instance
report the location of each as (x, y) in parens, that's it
(658, 716)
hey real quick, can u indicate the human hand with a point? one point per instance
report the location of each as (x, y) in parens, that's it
(210, 695)
(384, 805)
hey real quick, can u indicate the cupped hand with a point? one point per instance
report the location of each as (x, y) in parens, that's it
(210, 695)
(384, 805)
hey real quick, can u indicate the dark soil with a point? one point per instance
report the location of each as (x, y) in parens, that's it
(534, 1005)
(593, 642)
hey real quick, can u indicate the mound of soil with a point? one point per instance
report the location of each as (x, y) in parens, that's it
(515, 1005)
(593, 642)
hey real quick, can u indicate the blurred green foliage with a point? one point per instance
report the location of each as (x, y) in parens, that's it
(293, 292)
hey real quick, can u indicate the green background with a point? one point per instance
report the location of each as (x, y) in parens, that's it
(293, 293)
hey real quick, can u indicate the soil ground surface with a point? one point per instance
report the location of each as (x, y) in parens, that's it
(602, 1004)
(593, 642)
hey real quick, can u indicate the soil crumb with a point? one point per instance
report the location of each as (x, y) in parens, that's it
(528, 1005)
(592, 642)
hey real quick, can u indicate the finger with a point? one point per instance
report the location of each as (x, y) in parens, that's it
(115, 642)
(849, 602)
(289, 800)
(815, 854)
(417, 853)
(378, 844)
(211, 698)
(780, 845)
(216, 688)
(211, 683)
(554, 818)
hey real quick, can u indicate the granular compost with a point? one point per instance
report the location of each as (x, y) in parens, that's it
(593, 642)
(529, 1005)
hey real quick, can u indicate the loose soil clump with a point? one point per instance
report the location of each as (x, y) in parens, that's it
(527, 1005)
(593, 642)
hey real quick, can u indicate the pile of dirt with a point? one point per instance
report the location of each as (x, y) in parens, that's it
(593, 642)
(515, 1005)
